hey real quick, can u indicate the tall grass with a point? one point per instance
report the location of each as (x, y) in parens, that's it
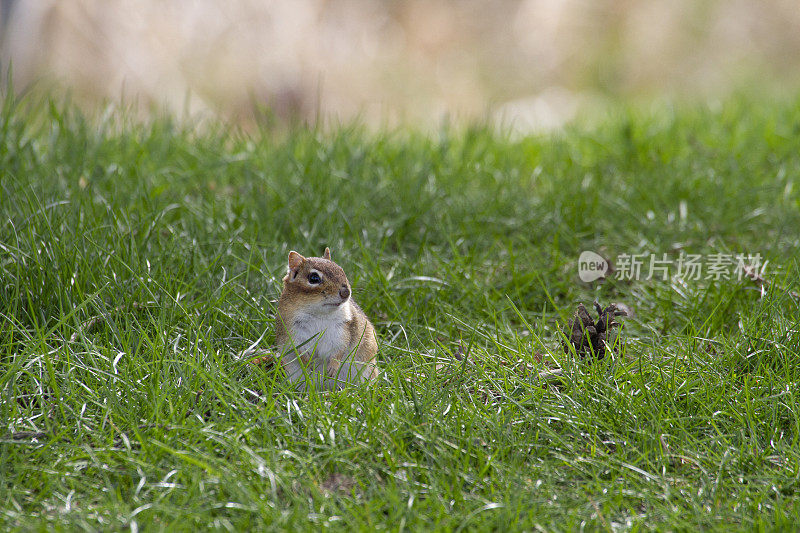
(138, 260)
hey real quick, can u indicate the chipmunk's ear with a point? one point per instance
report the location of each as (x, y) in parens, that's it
(327, 254)
(295, 260)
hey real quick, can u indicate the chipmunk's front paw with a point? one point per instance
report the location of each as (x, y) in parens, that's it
(258, 356)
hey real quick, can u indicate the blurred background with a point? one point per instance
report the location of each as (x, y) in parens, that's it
(527, 64)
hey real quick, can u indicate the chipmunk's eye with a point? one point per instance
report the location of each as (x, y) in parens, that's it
(314, 278)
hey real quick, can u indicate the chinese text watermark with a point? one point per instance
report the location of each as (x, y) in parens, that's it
(646, 266)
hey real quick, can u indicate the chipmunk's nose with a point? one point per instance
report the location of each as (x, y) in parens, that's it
(344, 292)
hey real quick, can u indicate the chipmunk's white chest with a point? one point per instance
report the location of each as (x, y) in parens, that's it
(324, 334)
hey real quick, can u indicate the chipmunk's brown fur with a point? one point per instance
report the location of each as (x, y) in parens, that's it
(323, 335)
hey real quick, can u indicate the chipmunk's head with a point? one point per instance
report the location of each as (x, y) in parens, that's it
(316, 283)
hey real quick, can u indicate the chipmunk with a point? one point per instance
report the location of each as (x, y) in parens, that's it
(322, 334)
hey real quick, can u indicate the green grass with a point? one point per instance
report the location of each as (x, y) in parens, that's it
(463, 250)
